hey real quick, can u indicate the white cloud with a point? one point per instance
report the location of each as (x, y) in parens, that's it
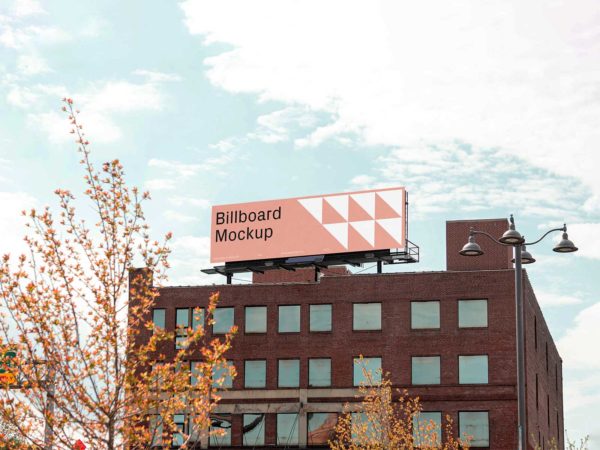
(23, 8)
(12, 222)
(32, 65)
(189, 255)
(276, 126)
(516, 75)
(579, 346)
(550, 299)
(160, 184)
(179, 217)
(156, 77)
(190, 201)
(585, 237)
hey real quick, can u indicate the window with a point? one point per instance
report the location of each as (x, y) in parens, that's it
(288, 374)
(476, 425)
(321, 427)
(472, 313)
(319, 372)
(320, 317)
(367, 371)
(156, 428)
(256, 319)
(366, 316)
(287, 429)
(289, 319)
(179, 422)
(473, 369)
(425, 314)
(427, 429)
(158, 318)
(425, 370)
(182, 322)
(255, 373)
(254, 430)
(362, 427)
(183, 318)
(221, 374)
(224, 319)
(220, 423)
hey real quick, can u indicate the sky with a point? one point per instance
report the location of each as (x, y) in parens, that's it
(480, 108)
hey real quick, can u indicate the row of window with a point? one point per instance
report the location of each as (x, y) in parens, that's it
(472, 369)
(320, 428)
(366, 316)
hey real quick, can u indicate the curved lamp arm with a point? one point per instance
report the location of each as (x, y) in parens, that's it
(563, 229)
(473, 232)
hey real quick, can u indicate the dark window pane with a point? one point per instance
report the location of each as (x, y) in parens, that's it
(197, 318)
(223, 320)
(182, 318)
(289, 319)
(366, 316)
(320, 317)
(289, 373)
(222, 375)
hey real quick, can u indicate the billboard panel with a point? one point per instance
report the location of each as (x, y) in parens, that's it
(317, 225)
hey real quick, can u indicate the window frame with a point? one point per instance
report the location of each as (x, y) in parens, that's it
(354, 316)
(439, 315)
(246, 373)
(376, 378)
(488, 426)
(330, 330)
(215, 320)
(279, 386)
(487, 313)
(295, 427)
(279, 309)
(262, 429)
(412, 375)
(439, 427)
(308, 368)
(164, 319)
(487, 372)
(246, 319)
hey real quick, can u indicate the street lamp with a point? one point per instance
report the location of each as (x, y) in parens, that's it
(513, 238)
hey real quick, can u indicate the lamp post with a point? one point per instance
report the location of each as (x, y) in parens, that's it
(513, 238)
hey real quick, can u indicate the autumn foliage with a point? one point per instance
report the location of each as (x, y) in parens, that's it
(387, 418)
(90, 365)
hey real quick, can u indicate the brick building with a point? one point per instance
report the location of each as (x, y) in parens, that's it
(447, 337)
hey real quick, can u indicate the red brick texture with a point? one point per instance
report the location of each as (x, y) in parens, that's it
(396, 343)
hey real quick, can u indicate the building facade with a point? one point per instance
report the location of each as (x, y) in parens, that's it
(447, 337)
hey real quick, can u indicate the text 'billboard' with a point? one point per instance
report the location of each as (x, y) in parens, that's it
(336, 223)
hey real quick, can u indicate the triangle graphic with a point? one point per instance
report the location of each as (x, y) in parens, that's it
(330, 215)
(314, 207)
(356, 212)
(394, 199)
(366, 202)
(366, 229)
(357, 242)
(340, 204)
(339, 231)
(383, 210)
(383, 238)
(394, 228)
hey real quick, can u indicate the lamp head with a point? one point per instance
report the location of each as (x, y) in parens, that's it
(471, 248)
(526, 257)
(512, 236)
(565, 245)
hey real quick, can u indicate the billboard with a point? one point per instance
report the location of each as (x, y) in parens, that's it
(302, 226)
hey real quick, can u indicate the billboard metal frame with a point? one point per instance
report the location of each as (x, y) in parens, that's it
(409, 254)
